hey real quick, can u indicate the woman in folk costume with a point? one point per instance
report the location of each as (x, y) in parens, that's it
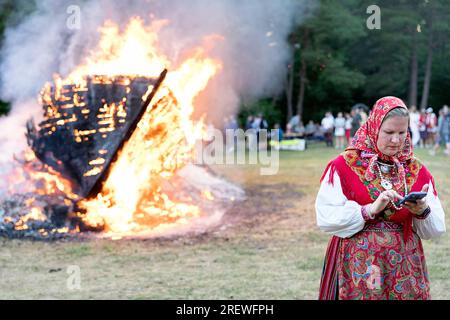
(376, 250)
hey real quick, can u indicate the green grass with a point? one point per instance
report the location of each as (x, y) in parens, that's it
(268, 247)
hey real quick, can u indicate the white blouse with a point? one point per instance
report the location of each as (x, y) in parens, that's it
(336, 215)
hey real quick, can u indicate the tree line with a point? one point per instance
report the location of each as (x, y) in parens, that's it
(337, 61)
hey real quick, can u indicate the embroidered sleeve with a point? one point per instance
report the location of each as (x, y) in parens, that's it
(336, 214)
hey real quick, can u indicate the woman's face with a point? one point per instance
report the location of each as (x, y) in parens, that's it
(392, 135)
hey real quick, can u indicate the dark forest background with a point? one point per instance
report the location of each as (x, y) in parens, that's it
(337, 61)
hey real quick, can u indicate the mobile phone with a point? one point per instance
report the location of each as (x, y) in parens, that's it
(412, 197)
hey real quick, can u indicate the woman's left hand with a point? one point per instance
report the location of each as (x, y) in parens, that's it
(420, 205)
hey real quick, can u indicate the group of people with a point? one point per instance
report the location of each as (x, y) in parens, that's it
(375, 251)
(255, 123)
(426, 129)
(431, 131)
(334, 131)
(343, 127)
(296, 128)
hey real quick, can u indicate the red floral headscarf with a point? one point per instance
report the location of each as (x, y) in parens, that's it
(366, 138)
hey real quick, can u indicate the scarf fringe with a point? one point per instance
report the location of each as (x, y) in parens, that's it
(331, 166)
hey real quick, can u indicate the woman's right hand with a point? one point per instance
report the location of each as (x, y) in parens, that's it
(383, 200)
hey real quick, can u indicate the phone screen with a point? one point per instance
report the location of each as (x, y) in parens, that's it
(413, 196)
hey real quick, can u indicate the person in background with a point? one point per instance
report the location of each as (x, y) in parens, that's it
(328, 125)
(230, 123)
(446, 130)
(295, 122)
(310, 129)
(356, 121)
(300, 130)
(249, 123)
(414, 124)
(431, 124)
(363, 113)
(277, 134)
(339, 131)
(376, 252)
(348, 127)
(438, 139)
(288, 129)
(259, 124)
(319, 133)
(250, 140)
(442, 135)
(423, 128)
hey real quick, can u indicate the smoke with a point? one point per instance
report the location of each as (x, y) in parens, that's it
(253, 49)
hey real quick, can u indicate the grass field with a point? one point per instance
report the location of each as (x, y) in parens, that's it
(267, 247)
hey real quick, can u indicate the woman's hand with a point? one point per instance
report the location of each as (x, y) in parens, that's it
(383, 200)
(421, 204)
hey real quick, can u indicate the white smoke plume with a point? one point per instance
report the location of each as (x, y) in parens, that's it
(254, 49)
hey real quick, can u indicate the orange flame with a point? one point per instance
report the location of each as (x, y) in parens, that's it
(131, 199)
(133, 52)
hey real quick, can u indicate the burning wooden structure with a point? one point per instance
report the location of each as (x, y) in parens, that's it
(85, 127)
(115, 134)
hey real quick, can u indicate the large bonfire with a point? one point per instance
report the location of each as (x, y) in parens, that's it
(133, 198)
